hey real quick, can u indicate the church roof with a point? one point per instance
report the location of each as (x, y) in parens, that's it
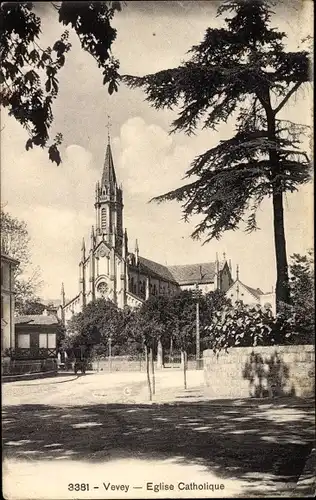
(155, 269)
(187, 274)
(108, 174)
(190, 274)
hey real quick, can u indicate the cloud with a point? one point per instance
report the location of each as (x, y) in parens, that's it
(147, 158)
(57, 202)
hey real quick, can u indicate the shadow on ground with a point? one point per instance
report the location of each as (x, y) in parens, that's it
(235, 441)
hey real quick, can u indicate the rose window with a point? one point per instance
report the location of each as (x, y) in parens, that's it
(102, 289)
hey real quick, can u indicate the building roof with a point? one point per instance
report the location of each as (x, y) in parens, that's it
(36, 319)
(9, 259)
(68, 302)
(256, 292)
(136, 297)
(187, 274)
(108, 175)
(190, 274)
(156, 270)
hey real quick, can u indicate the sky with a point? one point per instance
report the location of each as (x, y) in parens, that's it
(57, 202)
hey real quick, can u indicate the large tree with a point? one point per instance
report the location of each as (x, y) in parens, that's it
(98, 322)
(15, 242)
(29, 72)
(241, 71)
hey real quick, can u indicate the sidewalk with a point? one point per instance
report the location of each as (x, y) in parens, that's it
(28, 376)
(199, 394)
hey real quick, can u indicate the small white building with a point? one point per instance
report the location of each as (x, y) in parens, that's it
(8, 266)
(238, 291)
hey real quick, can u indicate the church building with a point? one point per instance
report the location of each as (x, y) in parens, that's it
(108, 269)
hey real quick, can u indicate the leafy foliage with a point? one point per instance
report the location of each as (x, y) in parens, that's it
(246, 326)
(244, 71)
(98, 321)
(29, 74)
(133, 330)
(176, 316)
(15, 242)
(302, 310)
(33, 307)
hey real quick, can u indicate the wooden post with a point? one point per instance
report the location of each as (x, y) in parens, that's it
(153, 370)
(197, 349)
(184, 358)
(110, 353)
(171, 351)
(148, 374)
(159, 354)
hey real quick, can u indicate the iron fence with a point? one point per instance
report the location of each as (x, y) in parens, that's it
(15, 367)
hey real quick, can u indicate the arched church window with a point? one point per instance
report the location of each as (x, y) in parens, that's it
(102, 288)
(103, 218)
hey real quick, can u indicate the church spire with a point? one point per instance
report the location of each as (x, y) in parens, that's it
(136, 253)
(92, 238)
(83, 250)
(108, 175)
(62, 293)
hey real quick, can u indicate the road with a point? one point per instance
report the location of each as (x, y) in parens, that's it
(99, 433)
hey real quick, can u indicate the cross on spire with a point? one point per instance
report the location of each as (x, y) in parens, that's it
(108, 126)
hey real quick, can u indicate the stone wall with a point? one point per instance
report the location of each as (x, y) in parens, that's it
(269, 371)
(119, 364)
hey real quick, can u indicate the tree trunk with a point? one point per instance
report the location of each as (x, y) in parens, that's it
(159, 355)
(148, 374)
(171, 351)
(153, 370)
(184, 358)
(282, 290)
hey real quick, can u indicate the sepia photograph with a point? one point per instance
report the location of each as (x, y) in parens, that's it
(157, 249)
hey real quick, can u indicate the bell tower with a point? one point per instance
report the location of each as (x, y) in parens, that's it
(109, 205)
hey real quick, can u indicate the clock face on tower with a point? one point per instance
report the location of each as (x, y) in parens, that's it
(102, 288)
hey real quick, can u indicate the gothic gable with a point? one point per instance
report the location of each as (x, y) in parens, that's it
(102, 250)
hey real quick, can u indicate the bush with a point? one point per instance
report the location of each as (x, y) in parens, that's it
(246, 326)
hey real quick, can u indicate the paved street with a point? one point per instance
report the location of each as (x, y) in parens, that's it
(100, 430)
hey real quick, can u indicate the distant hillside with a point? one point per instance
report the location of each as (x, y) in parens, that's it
(51, 302)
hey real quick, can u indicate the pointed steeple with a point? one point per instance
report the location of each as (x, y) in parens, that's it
(237, 272)
(92, 239)
(217, 273)
(62, 293)
(136, 253)
(83, 250)
(108, 174)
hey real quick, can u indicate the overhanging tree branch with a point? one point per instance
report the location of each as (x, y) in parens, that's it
(286, 98)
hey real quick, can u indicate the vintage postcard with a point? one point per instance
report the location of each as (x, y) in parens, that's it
(157, 255)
